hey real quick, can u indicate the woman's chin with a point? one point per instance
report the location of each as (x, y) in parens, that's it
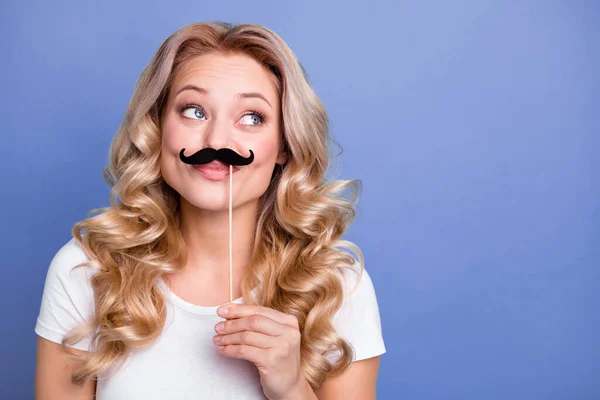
(212, 204)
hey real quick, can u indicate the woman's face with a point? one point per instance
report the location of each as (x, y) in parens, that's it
(205, 108)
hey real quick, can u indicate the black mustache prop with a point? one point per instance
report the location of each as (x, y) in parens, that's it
(204, 156)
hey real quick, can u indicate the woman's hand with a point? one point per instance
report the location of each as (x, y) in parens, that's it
(268, 338)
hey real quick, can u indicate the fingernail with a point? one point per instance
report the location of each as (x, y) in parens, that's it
(219, 327)
(221, 348)
(222, 311)
(217, 338)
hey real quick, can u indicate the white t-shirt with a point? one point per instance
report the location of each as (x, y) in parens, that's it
(184, 362)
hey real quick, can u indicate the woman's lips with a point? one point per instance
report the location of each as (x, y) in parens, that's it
(215, 170)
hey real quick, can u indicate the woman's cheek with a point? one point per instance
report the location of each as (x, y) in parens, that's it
(171, 138)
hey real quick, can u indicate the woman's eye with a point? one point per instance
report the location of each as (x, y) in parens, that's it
(193, 113)
(254, 118)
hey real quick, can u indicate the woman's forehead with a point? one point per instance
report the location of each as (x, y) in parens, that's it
(217, 73)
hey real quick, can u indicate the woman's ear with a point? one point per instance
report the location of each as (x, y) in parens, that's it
(282, 159)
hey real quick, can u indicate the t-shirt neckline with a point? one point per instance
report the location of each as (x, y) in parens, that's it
(189, 307)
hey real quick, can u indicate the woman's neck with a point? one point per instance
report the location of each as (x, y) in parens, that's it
(206, 234)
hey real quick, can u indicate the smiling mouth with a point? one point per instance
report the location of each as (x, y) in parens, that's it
(215, 170)
(216, 165)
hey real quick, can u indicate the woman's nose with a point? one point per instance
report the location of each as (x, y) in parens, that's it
(218, 134)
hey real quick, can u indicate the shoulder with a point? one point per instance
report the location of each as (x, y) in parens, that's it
(358, 321)
(357, 282)
(360, 299)
(68, 256)
(64, 267)
(67, 298)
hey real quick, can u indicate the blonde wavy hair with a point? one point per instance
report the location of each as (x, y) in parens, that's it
(297, 258)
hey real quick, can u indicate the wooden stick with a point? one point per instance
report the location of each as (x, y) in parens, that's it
(230, 233)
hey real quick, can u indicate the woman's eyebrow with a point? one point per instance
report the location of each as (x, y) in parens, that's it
(240, 95)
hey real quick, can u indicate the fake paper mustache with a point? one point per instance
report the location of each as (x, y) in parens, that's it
(204, 156)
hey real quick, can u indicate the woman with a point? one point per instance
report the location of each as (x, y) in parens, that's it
(140, 311)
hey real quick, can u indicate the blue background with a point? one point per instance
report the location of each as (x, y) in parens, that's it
(473, 125)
